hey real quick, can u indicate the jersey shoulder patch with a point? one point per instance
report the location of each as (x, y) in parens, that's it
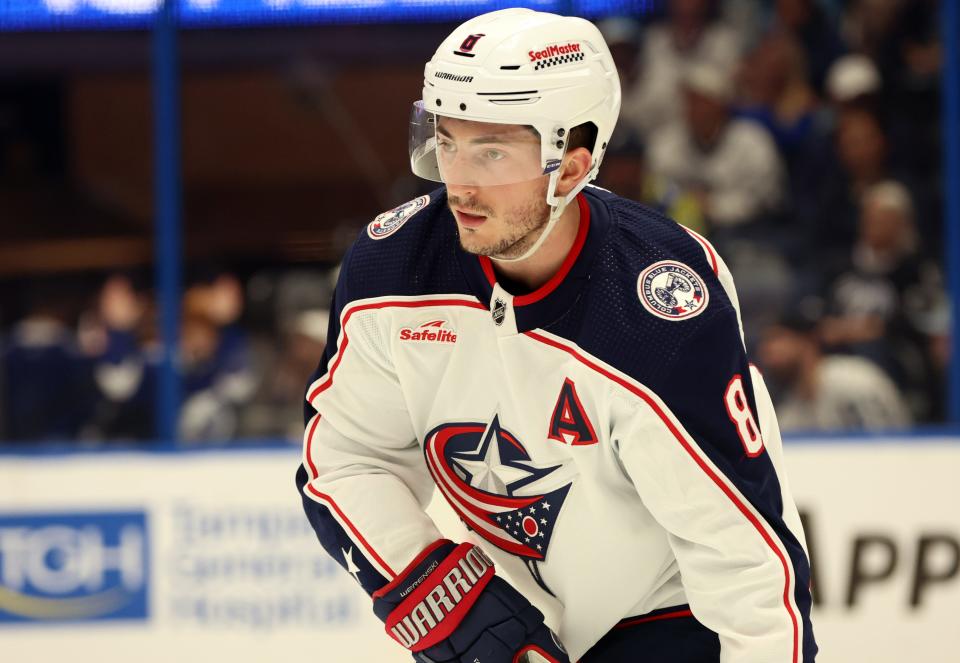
(671, 290)
(390, 222)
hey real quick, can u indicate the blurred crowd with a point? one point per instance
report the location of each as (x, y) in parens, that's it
(800, 136)
(87, 370)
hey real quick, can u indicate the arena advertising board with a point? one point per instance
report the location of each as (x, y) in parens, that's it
(99, 14)
(73, 566)
(156, 557)
(207, 556)
(883, 529)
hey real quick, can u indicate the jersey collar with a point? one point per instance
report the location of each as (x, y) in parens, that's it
(550, 301)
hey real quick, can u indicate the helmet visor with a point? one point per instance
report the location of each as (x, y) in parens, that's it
(465, 152)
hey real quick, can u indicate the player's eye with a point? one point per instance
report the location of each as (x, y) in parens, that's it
(494, 155)
(446, 146)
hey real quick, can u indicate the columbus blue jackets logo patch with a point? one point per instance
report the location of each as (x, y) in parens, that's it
(390, 222)
(487, 476)
(672, 291)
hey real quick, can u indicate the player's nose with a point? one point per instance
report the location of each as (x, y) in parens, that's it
(462, 191)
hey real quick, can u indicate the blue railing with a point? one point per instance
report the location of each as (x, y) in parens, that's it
(950, 121)
(166, 114)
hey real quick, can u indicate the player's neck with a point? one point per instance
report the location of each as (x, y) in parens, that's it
(536, 270)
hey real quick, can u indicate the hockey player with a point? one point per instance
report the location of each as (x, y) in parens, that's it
(567, 368)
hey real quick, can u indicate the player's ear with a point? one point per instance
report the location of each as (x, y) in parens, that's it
(575, 166)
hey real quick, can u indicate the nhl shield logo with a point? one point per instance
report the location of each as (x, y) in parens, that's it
(499, 311)
(390, 222)
(672, 291)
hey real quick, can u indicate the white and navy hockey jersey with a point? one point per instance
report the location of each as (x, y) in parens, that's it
(603, 438)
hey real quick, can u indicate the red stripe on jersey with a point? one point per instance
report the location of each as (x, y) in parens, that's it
(688, 447)
(706, 247)
(522, 654)
(419, 303)
(313, 468)
(626, 623)
(359, 537)
(565, 268)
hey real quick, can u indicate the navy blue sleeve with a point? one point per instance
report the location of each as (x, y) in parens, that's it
(712, 391)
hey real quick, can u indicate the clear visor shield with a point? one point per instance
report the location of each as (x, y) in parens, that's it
(469, 153)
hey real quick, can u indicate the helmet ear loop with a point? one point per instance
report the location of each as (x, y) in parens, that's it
(559, 203)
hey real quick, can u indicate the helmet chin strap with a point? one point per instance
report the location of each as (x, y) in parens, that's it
(558, 205)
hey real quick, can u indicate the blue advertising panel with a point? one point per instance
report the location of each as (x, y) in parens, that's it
(73, 566)
(120, 14)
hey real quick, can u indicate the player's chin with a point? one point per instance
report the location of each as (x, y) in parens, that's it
(475, 250)
(471, 243)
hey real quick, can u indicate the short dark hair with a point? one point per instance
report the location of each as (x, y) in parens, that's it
(583, 135)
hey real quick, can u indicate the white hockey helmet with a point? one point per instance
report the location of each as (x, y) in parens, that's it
(519, 67)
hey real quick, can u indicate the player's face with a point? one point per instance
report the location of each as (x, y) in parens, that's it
(495, 188)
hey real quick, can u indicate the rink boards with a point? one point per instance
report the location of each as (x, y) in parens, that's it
(205, 555)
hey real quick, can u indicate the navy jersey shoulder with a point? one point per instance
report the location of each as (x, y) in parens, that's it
(407, 251)
(633, 315)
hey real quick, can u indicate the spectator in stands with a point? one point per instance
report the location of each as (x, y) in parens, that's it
(813, 391)
(821, 42)
(293, 304)
(276, 410)
(625, 170)
(118, 336)
(903, 40)
(731, 165)
(881, 301)
(776, 93)
(690, 35)
(216, 372)
(854, 80)
(218, 376)
(829, 208)
(902, 37)
(46, 382)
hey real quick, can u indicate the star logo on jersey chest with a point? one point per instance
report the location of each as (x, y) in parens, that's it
(489, 479)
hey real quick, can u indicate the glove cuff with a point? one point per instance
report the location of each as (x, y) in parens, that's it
(425, 603)
(535, 654)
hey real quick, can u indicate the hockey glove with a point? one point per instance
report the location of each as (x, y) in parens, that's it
(448, 606)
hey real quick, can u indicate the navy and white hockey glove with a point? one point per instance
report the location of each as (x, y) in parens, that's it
(448, 606)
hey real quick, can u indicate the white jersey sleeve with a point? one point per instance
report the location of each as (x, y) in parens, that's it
(363, 471)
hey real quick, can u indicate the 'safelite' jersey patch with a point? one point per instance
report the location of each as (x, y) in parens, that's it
(672, 291)
(390, 222)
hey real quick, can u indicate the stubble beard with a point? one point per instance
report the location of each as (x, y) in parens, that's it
(526, 223)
